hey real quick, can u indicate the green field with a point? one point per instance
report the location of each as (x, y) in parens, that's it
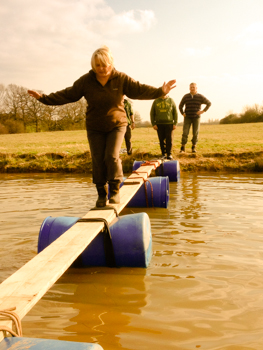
(221, 147)
(212, 138)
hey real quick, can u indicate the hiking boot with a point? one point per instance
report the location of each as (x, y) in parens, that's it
(114, 191)
(103, 195)
(193, 149)
(170, 157)
(182, 150)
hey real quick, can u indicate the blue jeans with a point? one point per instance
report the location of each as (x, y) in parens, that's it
(195, 122)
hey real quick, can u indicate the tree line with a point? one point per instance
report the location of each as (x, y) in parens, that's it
(20, 113)
(251, 114)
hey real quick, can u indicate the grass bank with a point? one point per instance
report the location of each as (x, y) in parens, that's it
(224, 148)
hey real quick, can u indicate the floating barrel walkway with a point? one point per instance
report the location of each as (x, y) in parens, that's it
(100, 238)
(166, 168)
(120, 249)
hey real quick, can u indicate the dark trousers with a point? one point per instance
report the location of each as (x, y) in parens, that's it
(165, 135)
(105, 148)
(127, 139)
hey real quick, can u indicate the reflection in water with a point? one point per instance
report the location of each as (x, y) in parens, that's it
(114, 300)
(99, 304)
(203, 288)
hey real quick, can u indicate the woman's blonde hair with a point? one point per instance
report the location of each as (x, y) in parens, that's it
(104, 55)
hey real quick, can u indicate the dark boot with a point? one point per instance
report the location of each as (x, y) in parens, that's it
(114, 191)
(182, 150)
(193, 149)
(103, 195)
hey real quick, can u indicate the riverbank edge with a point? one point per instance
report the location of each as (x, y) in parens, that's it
(246, 162)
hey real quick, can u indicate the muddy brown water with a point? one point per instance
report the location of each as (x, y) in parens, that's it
(202, 290)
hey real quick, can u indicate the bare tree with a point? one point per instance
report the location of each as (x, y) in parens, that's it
(20, 111)
(35, 113)
(137, 119)
(15, 103)
(50, 117)
(2, 94)
(12, 101)
(72, 115)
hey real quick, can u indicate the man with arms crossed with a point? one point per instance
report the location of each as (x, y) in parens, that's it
(190, 108)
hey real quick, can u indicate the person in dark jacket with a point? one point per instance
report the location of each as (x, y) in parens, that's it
(164, 119)
(130, 126)
(190, 108)
(104, 87)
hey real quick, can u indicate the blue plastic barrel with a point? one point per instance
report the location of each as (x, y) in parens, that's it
(157, 194)
(137, 164)
(169, 168)
(20, 343)
(131, 240)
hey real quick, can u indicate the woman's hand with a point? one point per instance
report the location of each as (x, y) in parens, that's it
(167, 87)
(34, 94)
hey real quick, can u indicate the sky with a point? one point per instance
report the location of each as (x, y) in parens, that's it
(47, 45)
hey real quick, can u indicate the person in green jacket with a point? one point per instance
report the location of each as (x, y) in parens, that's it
(164, 119)
(104, 87)
(130, 126)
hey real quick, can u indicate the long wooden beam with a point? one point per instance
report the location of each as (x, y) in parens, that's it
(26, 286)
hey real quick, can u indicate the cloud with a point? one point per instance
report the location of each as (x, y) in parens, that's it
(131, 22)
(197, 53)
(251, 36)
(60, 33)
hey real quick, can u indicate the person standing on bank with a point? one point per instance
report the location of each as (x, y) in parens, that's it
(103, 87)
(164, 119)
(192, 113)
(130, 126)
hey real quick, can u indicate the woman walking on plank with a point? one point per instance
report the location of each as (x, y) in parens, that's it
(104, 87)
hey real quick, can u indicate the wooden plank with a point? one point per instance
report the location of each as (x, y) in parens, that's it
(26, 286)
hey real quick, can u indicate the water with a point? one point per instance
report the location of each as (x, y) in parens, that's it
(202, 290)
